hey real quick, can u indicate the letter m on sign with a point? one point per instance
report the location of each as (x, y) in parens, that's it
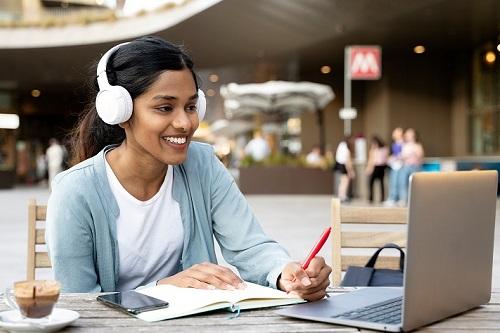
(365, 62)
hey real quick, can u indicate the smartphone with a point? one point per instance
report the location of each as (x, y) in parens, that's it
(132, 302)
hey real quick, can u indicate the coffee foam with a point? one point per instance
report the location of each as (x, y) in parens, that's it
(36, 288)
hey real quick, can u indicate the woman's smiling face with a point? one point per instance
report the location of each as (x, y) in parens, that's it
(164, 118)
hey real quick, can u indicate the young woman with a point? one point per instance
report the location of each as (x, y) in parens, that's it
(412, 155)
(376, 165)
(344, 167)
(395, 163)
(144, 203)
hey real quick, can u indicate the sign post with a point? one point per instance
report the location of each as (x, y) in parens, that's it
(360, 63)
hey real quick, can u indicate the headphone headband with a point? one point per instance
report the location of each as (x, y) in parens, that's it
(102, 77)
(114, 103)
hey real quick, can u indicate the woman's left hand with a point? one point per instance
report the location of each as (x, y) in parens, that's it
(310, 284)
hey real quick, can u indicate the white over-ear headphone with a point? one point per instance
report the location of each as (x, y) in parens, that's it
(114, 103)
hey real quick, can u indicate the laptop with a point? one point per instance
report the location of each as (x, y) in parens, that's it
(448, 268)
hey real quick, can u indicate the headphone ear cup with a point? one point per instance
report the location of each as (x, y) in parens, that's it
(114, 105)
(201, 105)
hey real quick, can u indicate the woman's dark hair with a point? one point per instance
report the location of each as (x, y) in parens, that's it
(348, 139)
(378, 141)
(134, 66)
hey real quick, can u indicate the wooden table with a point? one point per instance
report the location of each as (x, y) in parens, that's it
(96, 317)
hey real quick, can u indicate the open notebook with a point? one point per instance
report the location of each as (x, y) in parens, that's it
(188, 301)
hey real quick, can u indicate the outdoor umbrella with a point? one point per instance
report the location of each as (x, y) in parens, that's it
(277, 97)
(231, 128)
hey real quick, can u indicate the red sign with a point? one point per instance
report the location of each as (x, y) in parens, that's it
(365, 62)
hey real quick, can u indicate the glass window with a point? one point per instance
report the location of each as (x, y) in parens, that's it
(485, 113)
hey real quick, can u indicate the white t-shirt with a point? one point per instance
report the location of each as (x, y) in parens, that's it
(150, 234)
(342, 155)
(258, 149)
(313, 158)
(55, 156)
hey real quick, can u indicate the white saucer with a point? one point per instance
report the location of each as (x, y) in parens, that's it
(13, 322)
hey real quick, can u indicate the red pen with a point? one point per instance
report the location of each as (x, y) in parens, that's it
(317, 247)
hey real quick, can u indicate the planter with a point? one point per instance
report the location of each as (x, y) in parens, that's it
(285, 180)
(7, 178)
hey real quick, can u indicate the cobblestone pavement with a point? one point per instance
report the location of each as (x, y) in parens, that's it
(294, 221)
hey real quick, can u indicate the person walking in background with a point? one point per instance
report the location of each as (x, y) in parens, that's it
(395, 162)
(378, 156)
(257, 148)
(344, 167)
(55, 158)
(412, 156)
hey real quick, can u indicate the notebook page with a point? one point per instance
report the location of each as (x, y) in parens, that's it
(185, 301)
(182, 301)
(255, 291)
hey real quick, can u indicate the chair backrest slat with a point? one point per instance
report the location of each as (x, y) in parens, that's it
(42, 260)
(36, 236)
(363, 239)
(379, 215)
(40, 236)
(41, 213)
(353, 239)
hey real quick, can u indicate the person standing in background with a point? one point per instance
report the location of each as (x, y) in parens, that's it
(41, 167)
(315, 159)
(22, 165)
(376, 165)
(412, 156)
(257, 148)
(55, 158)
(395, 163)
(343, 166)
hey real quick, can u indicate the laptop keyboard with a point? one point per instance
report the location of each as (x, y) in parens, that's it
(387, 312)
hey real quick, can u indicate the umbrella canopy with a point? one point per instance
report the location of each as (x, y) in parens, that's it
(230, 129)
(291, 98)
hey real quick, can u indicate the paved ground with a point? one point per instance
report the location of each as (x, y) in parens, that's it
(295, 221)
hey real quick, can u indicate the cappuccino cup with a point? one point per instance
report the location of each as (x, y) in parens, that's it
(33, 299)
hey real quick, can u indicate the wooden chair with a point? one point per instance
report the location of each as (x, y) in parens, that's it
(36, 236)
(343, 214)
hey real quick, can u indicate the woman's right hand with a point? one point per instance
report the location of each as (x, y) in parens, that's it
(205, 276)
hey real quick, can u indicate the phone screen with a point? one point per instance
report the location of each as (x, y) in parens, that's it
(132, 302)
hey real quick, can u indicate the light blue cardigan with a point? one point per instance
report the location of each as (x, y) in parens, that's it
(82, 214)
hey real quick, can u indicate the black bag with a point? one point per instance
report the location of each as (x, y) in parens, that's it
(368, 276)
